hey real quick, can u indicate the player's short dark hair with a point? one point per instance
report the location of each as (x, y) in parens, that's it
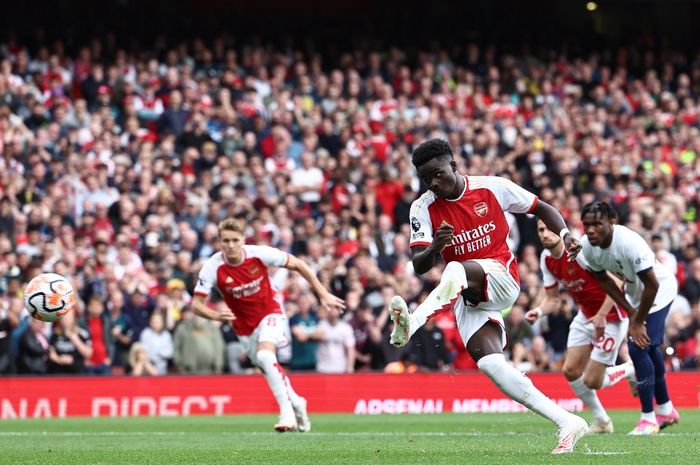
(430, 149)
(603, 208)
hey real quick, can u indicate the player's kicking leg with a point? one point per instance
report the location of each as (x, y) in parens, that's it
(485, 347)
(443, 297)
(481, 326)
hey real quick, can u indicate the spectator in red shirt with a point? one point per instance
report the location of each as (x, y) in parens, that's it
(98, 323)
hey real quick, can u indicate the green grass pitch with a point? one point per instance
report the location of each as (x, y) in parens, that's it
(337, 439)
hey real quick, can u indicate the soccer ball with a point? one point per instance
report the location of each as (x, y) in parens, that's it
(48, 297)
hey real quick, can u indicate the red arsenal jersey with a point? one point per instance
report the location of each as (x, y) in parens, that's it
(246, 286)
(579, 283)
(480, 225)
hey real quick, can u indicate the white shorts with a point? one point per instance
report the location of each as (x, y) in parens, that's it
(501, 292)
(273, 328)
(605, 350)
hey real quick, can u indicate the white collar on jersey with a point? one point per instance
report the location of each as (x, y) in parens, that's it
(466, 183)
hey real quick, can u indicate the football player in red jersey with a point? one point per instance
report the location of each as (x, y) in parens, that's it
(596, 333)
(462, 219)
(254, 308)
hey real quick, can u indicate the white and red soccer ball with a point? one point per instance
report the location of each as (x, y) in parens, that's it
(48, 297)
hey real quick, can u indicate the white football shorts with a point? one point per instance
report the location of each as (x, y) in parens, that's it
(605, 350)
(272, 328)
(501, 292)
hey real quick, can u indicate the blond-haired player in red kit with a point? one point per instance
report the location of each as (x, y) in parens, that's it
(596, 333)
(240, 273)
(462, 218)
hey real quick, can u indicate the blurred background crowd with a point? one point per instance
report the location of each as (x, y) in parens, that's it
(117, 164)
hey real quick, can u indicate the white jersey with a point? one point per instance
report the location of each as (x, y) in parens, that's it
(627, 255)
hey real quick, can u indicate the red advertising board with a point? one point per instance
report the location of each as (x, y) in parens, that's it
(358, 393)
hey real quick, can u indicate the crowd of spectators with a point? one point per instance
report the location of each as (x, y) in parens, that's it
(116, 166)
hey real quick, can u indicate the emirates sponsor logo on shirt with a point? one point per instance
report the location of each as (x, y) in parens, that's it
(471, 234)
(246, 290)
(471, 240)
(481, 209)
(255, 270)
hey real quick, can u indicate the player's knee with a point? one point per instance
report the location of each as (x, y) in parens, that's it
(572, 373)
(475, 275)
(453, 267)
(455, 271)
(593, 382)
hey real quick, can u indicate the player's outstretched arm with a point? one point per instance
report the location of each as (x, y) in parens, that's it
(551, 217)
(326, 299)
(199, 307)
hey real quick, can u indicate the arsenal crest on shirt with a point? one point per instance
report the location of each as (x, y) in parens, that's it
(481, 209)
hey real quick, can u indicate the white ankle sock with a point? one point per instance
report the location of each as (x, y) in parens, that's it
(665, 408)
(617, 373)
(649, 416)
(453, 273)
(589, 398)
(275, 375)
(518, 387)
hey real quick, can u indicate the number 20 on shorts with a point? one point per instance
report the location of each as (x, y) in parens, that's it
(605, 343)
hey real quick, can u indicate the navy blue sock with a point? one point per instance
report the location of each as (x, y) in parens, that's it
(660, 389)
(646, 378)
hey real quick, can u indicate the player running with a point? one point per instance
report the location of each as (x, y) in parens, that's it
(650, 289)
(596, 333)
(462, 218)
(240, 273)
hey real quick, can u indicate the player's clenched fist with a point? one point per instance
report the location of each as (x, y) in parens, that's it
(573, 246)
(443, 235)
